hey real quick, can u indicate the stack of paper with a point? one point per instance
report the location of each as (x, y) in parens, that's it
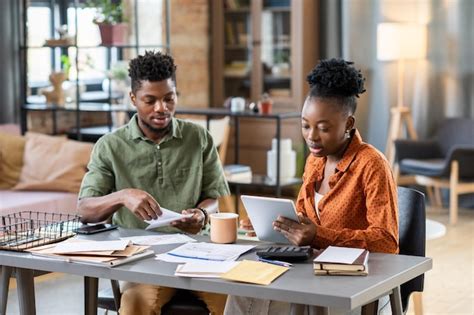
(108, 253)
(341, 261)
(204, 251)
(204, 269)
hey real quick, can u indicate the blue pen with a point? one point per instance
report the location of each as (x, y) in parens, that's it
(275, 262)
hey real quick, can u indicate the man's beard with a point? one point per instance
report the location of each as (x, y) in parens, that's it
(158, 131)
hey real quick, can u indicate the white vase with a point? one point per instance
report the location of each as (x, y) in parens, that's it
(287, 161)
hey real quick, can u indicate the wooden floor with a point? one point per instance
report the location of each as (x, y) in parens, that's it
(449, 286)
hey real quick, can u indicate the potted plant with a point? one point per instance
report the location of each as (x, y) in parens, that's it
(110, 20)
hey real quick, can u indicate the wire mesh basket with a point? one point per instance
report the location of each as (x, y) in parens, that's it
(27, 229)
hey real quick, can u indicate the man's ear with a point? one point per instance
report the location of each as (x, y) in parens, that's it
(132, 98)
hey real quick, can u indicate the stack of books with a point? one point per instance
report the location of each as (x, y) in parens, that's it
(341, 261)
(238, 173)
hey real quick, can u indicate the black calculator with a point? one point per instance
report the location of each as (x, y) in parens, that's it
(286, 253)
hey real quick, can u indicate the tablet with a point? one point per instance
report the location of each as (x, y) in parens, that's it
(262, 211)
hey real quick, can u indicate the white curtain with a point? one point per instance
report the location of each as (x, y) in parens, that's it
(441, 85)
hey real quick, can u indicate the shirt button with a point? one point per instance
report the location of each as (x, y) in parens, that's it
(159, 163)
(158, 147)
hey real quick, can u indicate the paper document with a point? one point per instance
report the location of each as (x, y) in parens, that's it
(204, 269)
(174, 259)
(210, 251)
(254, 272)
(165, 218)
(159, 239)
(89, 246)
(339, 255)
(131, 253)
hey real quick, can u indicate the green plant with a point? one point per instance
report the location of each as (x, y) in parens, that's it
(119, 71)
(65, 64)
(281, 56)
(108, 11)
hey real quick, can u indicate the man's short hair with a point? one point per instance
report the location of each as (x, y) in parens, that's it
(152, 66)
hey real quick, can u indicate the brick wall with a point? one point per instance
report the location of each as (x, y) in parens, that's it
(190, 48)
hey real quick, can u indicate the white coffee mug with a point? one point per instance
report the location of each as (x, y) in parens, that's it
(237, 104)
(224, 227)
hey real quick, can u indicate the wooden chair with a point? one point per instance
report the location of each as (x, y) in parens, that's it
(219, 130)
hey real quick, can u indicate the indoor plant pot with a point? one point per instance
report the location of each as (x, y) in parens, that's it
(113, 34)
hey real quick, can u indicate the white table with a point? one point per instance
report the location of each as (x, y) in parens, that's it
(434, 229)
(298, 285)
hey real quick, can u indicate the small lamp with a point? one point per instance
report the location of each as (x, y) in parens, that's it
(400, 42)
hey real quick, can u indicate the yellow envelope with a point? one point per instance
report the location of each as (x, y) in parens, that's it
(254, 272)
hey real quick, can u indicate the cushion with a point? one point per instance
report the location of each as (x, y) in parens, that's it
(53, 163)
(44, 201)
(427, 167)
(11, 159)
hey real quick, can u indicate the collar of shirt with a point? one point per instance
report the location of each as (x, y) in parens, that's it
(318, 163)
(134, 131)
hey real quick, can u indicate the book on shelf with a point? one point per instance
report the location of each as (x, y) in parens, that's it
(230, 34)
(238, 173)
(280, 92)
(341, 261)
(232, 4)
(237, 68)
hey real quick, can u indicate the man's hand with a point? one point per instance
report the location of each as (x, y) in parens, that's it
(299, 234)
(191, 225)
(141, 203)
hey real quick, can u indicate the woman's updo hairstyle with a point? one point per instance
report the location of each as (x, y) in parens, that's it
(337, 79)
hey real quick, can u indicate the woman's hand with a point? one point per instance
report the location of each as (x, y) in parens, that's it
(191, 225)
(245, 224)
(299, 234)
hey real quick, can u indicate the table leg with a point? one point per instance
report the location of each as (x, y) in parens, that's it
(6, 273)
(396, 302)
(91, 287)
(26, 291)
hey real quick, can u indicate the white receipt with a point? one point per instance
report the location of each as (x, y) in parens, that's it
(165, 218)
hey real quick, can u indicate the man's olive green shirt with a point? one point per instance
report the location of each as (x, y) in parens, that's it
(179, 172)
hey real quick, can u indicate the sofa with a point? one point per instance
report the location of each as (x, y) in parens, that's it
(40, 172)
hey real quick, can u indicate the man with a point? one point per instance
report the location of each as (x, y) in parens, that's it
(155, 160)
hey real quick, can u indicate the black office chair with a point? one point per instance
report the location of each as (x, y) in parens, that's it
(412, 235)
(182, 303)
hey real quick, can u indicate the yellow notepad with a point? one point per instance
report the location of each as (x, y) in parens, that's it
(254, 272)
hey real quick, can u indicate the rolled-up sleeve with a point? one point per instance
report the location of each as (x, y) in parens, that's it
(99, 179)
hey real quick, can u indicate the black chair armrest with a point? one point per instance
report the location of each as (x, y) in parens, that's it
(416, 149)
(465, 157)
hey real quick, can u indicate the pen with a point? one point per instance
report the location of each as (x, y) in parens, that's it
(275, 262)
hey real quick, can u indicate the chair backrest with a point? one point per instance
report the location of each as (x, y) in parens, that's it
(455, 132)
(219, 130)
(412, 234)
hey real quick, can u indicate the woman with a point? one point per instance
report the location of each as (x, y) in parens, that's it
(348, 197)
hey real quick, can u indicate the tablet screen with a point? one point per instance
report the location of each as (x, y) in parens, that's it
(262, 211)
